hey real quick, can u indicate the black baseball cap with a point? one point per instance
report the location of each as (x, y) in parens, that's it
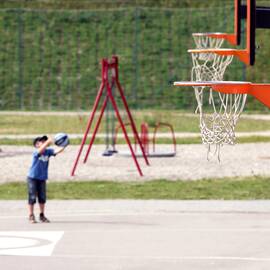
(40, 139)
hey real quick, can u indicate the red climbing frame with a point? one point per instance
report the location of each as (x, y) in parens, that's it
(145, 137)
(145, 140)
(106, 84)
(158, 125)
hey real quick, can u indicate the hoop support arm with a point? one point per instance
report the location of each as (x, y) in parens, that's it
(260, 91)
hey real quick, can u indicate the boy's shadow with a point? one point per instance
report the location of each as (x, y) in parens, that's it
(101, 222)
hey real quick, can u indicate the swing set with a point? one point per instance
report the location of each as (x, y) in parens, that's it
(110, 80)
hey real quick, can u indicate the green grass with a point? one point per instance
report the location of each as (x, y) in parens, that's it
(182, 122)
(50, 58)
(36, 124)
(32, 124)
(250, 188)
(94, 4)
(253, 139)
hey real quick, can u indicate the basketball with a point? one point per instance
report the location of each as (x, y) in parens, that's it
(61, 139)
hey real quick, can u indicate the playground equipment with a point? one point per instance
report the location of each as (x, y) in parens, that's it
(150, 150)
(227, 98)
(109, 75)
(109, 128)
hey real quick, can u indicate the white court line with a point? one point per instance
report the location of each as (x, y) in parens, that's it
(166, 258)
(29, 243)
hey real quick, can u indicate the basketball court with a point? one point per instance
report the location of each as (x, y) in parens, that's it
(137, 235)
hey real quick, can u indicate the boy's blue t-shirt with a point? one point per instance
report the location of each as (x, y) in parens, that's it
(40, 164)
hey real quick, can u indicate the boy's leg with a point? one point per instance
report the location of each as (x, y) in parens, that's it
(32, 191)
(41, 191)
(31, 209)
(42, 207)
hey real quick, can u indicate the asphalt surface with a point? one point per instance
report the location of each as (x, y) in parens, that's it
(129, 234)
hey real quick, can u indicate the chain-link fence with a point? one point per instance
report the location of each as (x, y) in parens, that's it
(50, 60)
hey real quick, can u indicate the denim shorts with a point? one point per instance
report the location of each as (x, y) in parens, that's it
(36, 188)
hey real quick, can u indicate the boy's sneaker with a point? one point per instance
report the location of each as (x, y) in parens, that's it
(43, 219)
(32, 219)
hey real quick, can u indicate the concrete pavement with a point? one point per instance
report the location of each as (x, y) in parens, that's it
(130, 234)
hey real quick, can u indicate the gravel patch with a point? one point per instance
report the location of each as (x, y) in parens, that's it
(190, 163)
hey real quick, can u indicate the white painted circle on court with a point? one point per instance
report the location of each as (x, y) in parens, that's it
(7, 242)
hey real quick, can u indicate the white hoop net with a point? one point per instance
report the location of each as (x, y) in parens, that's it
(203, 41)
(217, 121)
(209, 66)
(217, 124)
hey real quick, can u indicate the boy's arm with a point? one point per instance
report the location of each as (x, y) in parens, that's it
(59, 150)
(42, 148)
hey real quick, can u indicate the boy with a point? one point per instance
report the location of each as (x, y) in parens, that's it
(38, 174)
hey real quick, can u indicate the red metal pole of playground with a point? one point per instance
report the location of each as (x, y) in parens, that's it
(96, 128)
(105, 79)
(90, 121)
(145, 137)
(115, 60)
(155, 133)
(123, 127)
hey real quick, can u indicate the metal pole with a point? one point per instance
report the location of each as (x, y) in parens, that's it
(123, 128)
(105, 103)
(90, 120)
(135, 55)
(107, 129)
(128, 111)
(113, 121)
(20, 60)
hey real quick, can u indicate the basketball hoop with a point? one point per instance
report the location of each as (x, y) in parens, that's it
(213, 40)
(209, 66)
(216, 39)
(228, 99)
(222, 53)
(206, 40)
(217, 125)
(213, 52)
